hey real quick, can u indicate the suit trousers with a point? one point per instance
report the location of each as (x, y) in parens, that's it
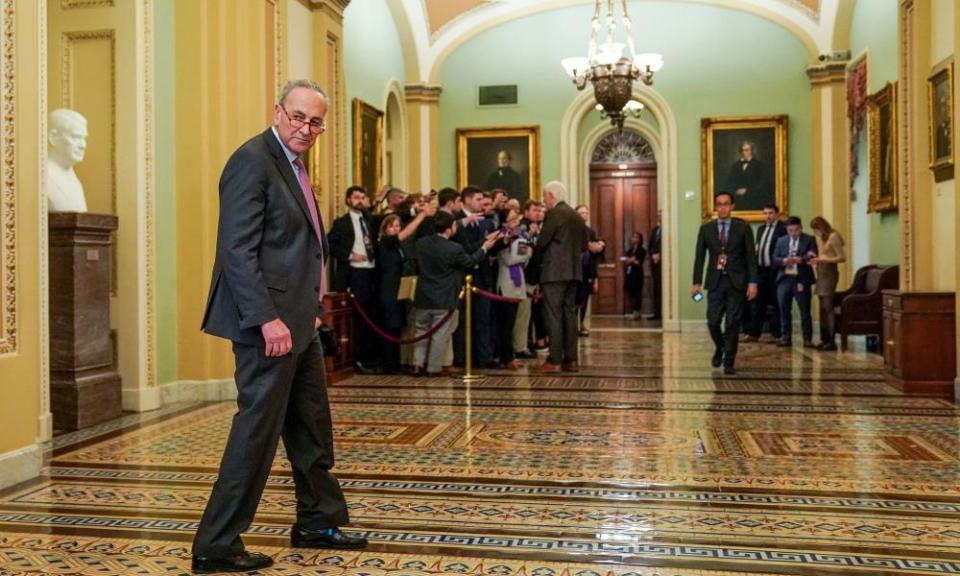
(506, 319)
(276, 396)
(521, 326)
(364, 287)
(766, 296)
(725, 305)
(789, 290)
(560, 314)
(437, 344)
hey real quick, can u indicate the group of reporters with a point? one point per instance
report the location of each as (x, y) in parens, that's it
(439, 238)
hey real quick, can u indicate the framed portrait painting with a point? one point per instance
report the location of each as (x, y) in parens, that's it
(506, 157)
(882, 126)
(367, 146)
(940, 121)
(746, 156)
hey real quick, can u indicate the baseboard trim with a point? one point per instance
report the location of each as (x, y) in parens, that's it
(20, 465)
(45, 426)
(196, 391)
(141, 399)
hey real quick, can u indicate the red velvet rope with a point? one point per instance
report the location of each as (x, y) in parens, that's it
(392, 338)
(496, 297)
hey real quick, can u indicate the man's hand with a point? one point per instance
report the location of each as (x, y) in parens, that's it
(317, 323)
(751, 291)
(471, 219)
(596, 247)
(277, 337)
(655, 258)
(697, 289)
(491, 241)
(355, 257)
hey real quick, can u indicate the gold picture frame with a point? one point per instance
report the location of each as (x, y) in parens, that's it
(940, 120)
(756, 182)
(477, 159)
(884, 155)
(367, 146)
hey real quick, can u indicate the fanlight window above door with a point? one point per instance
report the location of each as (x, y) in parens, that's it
(622, 148)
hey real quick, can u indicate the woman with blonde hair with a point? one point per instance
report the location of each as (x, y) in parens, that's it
(828, 275)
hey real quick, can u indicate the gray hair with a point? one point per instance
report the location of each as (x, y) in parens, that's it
(62, 118)
(557, 189)
(302, 83)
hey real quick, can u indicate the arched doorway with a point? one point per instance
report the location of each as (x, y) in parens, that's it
(623, 200)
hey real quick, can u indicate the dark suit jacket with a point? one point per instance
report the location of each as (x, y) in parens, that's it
(779, 231)
(655, 234)
(441, 264)
(472, 238)
(341, 245)
(741, 259)
(562, 240)
(806, 244)
(269, 258)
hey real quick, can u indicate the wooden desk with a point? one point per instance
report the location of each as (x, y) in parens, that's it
(920, 341)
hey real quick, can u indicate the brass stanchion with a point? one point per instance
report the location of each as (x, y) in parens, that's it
(468, 375)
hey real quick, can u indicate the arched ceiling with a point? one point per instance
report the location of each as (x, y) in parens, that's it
(431, 30)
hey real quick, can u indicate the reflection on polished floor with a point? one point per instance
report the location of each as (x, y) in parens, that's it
(646, 463)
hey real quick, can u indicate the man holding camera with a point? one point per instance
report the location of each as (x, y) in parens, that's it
(795, 279)
(731, 277)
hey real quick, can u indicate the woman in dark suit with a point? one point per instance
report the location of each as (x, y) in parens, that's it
(394, 262)
(633, 271)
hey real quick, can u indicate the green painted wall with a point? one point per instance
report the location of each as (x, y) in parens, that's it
(710, 70)
(372, 58)
(874, 29)
(165, 213)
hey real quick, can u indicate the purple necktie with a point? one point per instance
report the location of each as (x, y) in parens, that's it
(516, 274)
(312, 206)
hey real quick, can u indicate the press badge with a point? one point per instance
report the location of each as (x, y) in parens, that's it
(722, 262)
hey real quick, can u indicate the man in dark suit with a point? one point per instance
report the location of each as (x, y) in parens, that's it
(352, 239)
(562, 241)
(656, 267)
(795, 279)
(731, 274)
(472, 230)
(769, 233)
(266, 296)
(506, 178)
(441, 264)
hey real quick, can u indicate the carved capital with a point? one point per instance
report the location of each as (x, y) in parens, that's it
(333, 7)
(832, 72)
(427, 93)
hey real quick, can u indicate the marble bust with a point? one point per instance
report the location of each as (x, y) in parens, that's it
(67, 141)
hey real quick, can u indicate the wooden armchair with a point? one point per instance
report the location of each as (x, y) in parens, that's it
(859, 309)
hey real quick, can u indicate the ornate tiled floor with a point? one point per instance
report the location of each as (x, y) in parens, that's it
(646, 463)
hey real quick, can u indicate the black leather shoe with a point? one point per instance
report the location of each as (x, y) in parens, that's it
(242, 562)
(361, 369)
(729, 370)
(327, 538)
(717, 360)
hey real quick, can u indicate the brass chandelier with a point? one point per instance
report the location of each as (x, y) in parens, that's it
(612, 72)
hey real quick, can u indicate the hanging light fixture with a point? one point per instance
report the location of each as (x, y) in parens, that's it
(610, 70)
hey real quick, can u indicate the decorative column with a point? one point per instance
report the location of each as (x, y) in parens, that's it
(423, 106)
(84, 383)
(831, 146)
(916, 180)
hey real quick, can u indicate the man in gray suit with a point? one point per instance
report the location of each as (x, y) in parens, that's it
(562, 240)
(266, 296)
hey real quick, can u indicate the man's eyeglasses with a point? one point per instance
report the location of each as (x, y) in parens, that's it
(297, 121)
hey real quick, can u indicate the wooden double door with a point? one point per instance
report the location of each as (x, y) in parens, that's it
(623, 200)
